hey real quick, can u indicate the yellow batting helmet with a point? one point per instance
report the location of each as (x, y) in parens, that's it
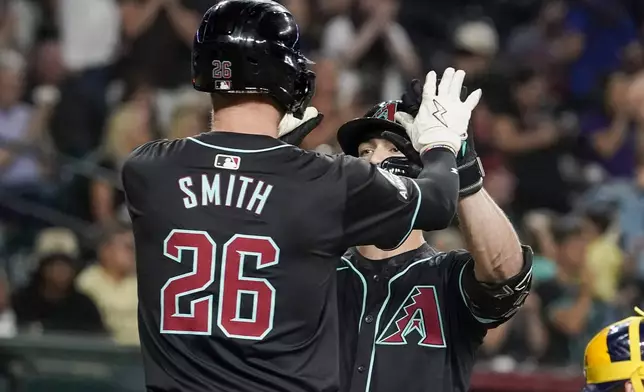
(614, 356)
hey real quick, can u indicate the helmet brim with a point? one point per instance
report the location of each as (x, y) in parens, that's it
(356, 131)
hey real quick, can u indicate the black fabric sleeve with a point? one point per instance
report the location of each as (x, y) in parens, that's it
(438, 183)
(382, 208)
(493, 304)
(133, 179)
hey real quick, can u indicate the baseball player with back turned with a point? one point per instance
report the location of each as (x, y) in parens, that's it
(238, 233)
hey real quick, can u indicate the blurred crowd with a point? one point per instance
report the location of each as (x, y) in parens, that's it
(560, 133)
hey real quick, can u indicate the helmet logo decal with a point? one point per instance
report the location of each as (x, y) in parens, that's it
(222, 85)
(387, 112)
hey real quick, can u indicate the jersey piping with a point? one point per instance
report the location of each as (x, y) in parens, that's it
(237, 150)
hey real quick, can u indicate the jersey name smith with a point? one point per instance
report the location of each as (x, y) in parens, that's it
(229, 190)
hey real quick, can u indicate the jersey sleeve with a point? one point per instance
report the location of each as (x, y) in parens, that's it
(133, 178)
(380, 208)
(489, 304)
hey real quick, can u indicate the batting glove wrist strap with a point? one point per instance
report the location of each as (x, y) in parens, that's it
(470, 178)
(443, 138)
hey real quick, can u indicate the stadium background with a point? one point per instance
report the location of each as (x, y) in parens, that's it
(83, 82)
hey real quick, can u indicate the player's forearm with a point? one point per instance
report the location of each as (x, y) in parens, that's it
(438, 184)
(490, 238)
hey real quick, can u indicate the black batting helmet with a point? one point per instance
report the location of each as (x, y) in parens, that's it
(252, 47)
(378, 119)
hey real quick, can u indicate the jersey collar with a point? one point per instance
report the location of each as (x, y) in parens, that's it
(238, 142)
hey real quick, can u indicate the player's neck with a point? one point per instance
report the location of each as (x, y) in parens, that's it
(253, 118)
(415, 241)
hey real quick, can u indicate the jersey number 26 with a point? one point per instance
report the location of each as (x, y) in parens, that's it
(232, 284)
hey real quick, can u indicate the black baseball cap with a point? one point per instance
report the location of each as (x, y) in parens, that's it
(378, 119)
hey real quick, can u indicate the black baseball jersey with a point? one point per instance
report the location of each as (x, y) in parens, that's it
(408, 324)
(236, 257)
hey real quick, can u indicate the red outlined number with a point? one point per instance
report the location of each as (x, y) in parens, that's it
(199, 320)
(232, 287)
(234, 284)
(221, 69)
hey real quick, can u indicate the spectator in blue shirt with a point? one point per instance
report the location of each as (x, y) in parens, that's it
(598, 32)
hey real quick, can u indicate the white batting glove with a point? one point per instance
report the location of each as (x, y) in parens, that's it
(442, 118)
(289, 122)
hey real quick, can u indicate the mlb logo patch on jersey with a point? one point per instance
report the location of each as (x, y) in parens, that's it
(230, 162)
(222, 85)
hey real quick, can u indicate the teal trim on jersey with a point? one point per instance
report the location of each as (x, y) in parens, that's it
(364, 289)
(413, 219)
(238, 150)
(380, 312)
(460, 288)
(341, 268)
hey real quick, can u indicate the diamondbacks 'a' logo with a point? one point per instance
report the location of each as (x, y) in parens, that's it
(387, 112)
(417, 318)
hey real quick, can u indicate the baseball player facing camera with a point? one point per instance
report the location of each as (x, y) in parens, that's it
(412, 318)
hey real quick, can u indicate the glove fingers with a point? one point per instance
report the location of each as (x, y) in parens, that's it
(429, 89)
(457, 83)
(310, 113)
(446, 81)
(404, 119)
(289, 122)
(473, 99)
(297, 136)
